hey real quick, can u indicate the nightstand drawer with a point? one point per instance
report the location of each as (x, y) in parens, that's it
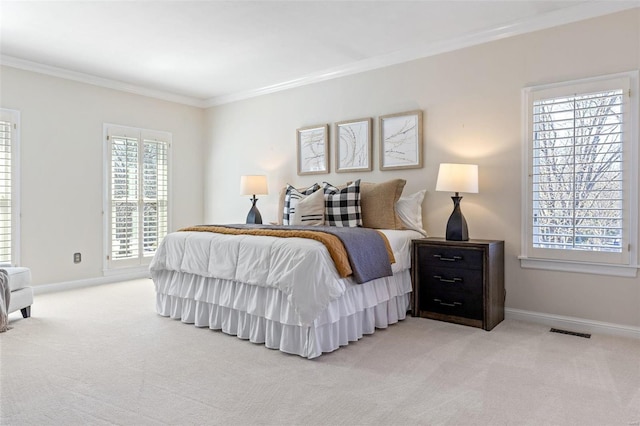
(452, 257)
(444, 280)
(453, 292)
(459, 305)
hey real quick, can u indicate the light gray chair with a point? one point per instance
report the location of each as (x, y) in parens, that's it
(21, 291)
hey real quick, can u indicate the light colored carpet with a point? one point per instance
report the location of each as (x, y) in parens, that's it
(101, 355)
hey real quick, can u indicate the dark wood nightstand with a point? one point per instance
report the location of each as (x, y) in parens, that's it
(458, 281)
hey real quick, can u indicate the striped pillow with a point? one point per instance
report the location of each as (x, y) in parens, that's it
(291, 198)
(342, 206)
(310, 210)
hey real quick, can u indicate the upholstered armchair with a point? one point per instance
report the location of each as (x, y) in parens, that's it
(21, 292)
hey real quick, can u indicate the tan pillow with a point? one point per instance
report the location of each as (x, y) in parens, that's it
(378, 201)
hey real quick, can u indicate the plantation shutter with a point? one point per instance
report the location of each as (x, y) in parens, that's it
(155, 191)
(125, 213)
(138, 194)
(7, 128)
(579, 172)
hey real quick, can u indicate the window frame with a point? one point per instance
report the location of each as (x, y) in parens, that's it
(141, 262)
(13, 116)
(621, 264)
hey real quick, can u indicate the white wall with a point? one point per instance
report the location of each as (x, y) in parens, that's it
(471, 100)
(62, 166)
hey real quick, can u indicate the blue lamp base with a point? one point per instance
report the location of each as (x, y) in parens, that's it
(254, 215)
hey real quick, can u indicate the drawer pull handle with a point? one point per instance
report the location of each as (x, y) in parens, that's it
(447, 259)
(446, 280)
(454, 304)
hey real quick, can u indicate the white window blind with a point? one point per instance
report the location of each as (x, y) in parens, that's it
(155, 194)
(577, 172)
(138, 194)
(580, 152)
(9, 215)
(125, 184)
(6, 130)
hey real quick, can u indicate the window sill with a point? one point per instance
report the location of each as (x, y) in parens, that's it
(629, 271)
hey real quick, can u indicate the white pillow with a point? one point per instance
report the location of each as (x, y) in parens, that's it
(309, 210)
(409, 210)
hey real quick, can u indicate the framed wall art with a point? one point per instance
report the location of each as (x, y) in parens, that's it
(353, 145)
(313, 149)
(401, 140)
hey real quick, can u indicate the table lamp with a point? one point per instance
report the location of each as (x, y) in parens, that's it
(457, 178)
(253, 185)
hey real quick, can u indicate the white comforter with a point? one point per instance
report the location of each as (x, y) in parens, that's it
(300, 268)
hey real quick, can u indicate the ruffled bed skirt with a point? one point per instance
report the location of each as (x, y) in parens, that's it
(264, 314)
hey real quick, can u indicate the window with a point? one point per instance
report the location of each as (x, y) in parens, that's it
(581, 147)
(137, 187)
(9, 187)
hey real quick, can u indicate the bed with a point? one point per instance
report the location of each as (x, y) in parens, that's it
(285, 293)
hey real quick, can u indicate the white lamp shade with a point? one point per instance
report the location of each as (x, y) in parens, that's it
(457, 178)
(253, 185)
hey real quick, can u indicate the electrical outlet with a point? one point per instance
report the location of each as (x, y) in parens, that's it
(77, 258)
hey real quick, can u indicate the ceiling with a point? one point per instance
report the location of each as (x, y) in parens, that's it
(210, 52)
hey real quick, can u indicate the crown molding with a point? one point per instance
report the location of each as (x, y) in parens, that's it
(23, 64)
(555, 18)
(579, 12)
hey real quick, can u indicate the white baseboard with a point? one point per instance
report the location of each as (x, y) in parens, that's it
(558, 321)
(70, 285)
(579, 325)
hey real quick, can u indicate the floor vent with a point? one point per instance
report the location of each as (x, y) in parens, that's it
(571, 333)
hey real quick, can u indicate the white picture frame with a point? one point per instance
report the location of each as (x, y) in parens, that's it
(400, 140)
(313, 149)
(353, 148)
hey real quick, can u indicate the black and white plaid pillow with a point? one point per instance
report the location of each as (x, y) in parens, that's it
(291, 198)
(342, 206)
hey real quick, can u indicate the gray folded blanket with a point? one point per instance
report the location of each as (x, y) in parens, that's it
(5, 298)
